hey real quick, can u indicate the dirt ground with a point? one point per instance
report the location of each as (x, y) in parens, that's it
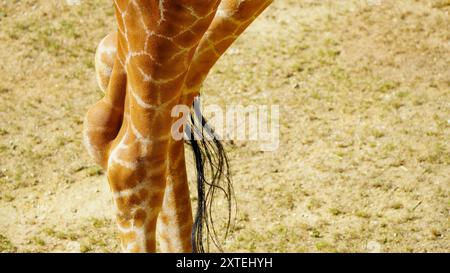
(364, 157)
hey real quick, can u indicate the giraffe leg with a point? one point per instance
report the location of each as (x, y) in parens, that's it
(136, 154)
(232, 18)
(175, 220)
(156, 43)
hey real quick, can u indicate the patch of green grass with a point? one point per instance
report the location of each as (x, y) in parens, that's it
(402, 94)
(377, 133)
(389, 147)
(323, 246)
(8, 198)
(61, 235)
(335, 211)
(314, 204)
(441, 4)
(316, 95)
(38, 241)
(316, 233)
(85, 248)
(397, 206)
(396, 104)
(94, 171)
(387, 86)
(6, 245)
(50, 232)
(439, 155)
(362, 214)
(99, 223)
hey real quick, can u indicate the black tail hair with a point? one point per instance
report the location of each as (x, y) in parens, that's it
(208, 152)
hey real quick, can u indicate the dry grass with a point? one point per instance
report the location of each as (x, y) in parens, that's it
(364, 161)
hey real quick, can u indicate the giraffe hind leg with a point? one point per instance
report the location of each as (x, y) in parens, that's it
(175, 219)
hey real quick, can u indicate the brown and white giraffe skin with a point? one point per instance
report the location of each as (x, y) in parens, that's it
(146, 168)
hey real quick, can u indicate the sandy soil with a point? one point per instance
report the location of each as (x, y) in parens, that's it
(364, 157)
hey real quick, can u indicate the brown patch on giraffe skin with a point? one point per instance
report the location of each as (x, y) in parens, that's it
(127, 238)
(144, 62)
(151, 9)
(172, 90)
(132, 153)
(203, 8)
(122, 46)
(157, 173)
(203, 63)
(179, 17)
(136, 249)
(123, 178)
(189, 38)
(102, 115)
(242, 28)
(124, 204)
(186, 231)
(102, 125)
(143, 194)
(177, 168)
(100, 137)
(139, 218)
(163, 49)
(221, 27)
(172, 70)
(150, 245)
(176, 150)
(222, 46)
(149, 98)
(162, 122)
(132, 20)
(188, 99)
(180, 190)
(202, 26)
(116, 90)
(151, 225)
(122, 5)
(246, 9)
(143, 121)
(136, 43)
(122, 221)
(156, 199)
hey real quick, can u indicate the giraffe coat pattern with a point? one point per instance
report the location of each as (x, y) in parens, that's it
(159, 57)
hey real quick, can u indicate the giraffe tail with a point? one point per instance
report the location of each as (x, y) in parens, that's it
(213, 176)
